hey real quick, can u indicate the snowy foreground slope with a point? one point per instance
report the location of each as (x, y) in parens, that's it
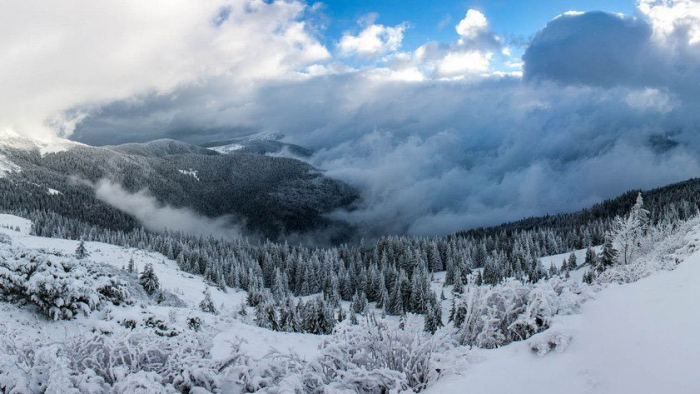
(188, 288)
(632, 338)
(638, 338)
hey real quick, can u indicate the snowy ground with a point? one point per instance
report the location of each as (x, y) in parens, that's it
(634, 338)
(187, 287)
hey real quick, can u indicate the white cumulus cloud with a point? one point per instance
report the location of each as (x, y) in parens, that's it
(373, 41)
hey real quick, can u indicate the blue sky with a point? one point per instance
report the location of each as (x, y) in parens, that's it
(511, 19)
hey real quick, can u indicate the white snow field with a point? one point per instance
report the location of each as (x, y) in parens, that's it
(632, 338)
(637, 338)
(189, 288)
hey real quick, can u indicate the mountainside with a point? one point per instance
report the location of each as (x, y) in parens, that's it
(270, 196)
(259, 144)
(633, 338)
(159, 148)
(90, 325)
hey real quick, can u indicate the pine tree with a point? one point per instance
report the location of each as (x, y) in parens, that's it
(572, 262)
(353, 317)
(430, 325)
(457, 280)
(81, 252)
(149, 280)
(131, 268)
(207, 304)
(590, 257)
(607, 256)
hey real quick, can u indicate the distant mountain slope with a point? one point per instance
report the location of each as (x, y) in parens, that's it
(159, 148)
(260, 144)
(272, 195)
(682, 196)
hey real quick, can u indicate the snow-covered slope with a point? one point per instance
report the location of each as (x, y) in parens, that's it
(225, 328)
(12, 140)
(50, 144)
(634, 338)
(226, 149)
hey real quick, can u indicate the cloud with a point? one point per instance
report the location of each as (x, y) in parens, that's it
(373, 41)
(437, 140)
(473, 25)
(659, 48)
(158, 217)
(57, 56)
(594, 48)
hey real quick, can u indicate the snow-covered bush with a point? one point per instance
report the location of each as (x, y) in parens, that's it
(491, 316)
(60, 287)
(372, 358)
(663, 243)
(545, 342)
(181, 362)
(61, 290)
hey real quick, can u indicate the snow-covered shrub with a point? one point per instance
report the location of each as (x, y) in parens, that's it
(492, 316)
(141, 382)
(194, 323)
(545, 342)
(34, 367)
(61, 289)
(269, 374)
(372, 358)
(663, 243)
(182, 362)
(160, 327)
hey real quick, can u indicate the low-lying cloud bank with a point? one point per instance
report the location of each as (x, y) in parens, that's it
(606, 103)
(158, 217)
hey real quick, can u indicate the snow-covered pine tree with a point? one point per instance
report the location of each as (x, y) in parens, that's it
(131, 268)
(608, 255)
(207, 304)
(149, 280)
(430, 324)
(572, 262)
(590, 257)
(81, 252)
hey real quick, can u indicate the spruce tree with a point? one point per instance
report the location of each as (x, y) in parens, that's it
(430, 325)
(608, 255)
(149, 280)
(207, 304)
(572, 262)
(81, 252)
(590, 257)
(131, 268)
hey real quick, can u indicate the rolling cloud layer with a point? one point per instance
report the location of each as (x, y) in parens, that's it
(437, 139)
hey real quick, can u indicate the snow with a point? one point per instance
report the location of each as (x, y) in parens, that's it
(633, 338)
(559, 258)
(259, 341)
(54, 192)
(190, 172)
(226, 149)
(189, 288)
(7, 166)
(46, 145)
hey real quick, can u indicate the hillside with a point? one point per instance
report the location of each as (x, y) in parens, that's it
(633, 338)
(599, 344)
(260, 144)
(268, 196)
